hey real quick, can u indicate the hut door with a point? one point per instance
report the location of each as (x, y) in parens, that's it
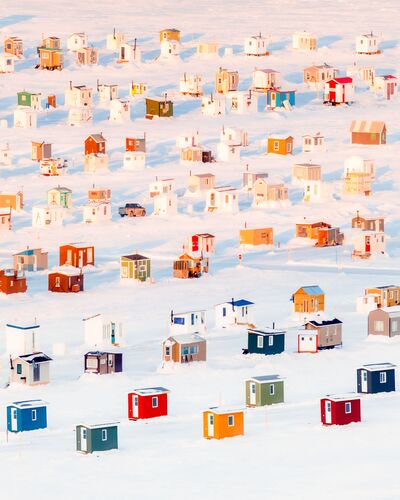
(328, 412)
(252, 393)
(211, 425)
(367, 244)
(364, 384)
(135, 407)
(83, 439)
(36, 372)
(14, 424)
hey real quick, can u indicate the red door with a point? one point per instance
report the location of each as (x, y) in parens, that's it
(195, 243)
(332, 96)
(367, 244)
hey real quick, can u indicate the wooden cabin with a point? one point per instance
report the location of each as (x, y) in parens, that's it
(107, 92)
(256, 45)
(265, 79)
(256, 237)
(339, 90)
(376, 378)
(115, 40)
(196, 154)
(25, 118)
(313, 143)
(87, 56)
(190, 84)
(385, 85)
(234, 313)
(207, 49)
(264, 192)
(26, 415)
(129, 53)
(12, 281)
(95, 144)
(306, 172)
(76, 255)
(368, 243)
(249, 179)
(310, 229)
(79, 116)
(136, 144)
(99, 195)
(149, 402)
(50, 54)
(356, 164)
(367, 44)
(368, 223)
(379, 297)
(5, 219)
(357, 184)
(184, 348)
(318, 335)
(202, 242)
(308, 299)
(223, 199)
(29, 100)
(316, 76)
(77, 41)
(170, 34)
(213, 105)
(30, 369)
(243, 102)
(14, 45)
(21, 338)
(266, 341)
(52, 167)
(5, 155)
(189, 322)
(13, 200)
(278, 98)
(78, 96)
(340, 410)
(201, 182)
(95, 162)
(221, 422)
(60, 196)
(41, 150)
(31, 259)
(102, 331)
(50, 215)
(187, 266)
(226, 81)
(159, 106)
(139, 88)
(120, 110)
(66, 279)
(96, 212)
(135, 267)
(384, 321)
(280, 144)
(368, 132)
(102, 363)
(96, 438)
(6, 63)
(302, 40)
(264, 390)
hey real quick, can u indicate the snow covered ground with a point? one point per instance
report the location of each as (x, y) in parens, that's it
(286, 453)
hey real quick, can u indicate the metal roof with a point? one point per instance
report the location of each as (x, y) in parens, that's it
(373, 367)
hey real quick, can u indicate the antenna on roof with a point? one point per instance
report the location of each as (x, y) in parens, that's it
(114, 33)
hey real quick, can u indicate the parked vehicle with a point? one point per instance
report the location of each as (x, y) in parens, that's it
(132, 210)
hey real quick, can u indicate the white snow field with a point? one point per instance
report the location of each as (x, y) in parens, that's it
(285, 453)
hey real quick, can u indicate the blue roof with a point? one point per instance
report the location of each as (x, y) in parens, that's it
(26, 327)
(313, 290)
(241, 303)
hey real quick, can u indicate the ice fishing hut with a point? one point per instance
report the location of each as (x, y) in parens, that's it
(149, 402)
(93, 438)
(27, 415)
(159, 106)
(264, 390)
(375, 378)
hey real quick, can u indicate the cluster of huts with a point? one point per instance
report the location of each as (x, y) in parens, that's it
(186, 341)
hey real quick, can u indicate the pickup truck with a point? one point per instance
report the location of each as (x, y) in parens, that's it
(132, 210)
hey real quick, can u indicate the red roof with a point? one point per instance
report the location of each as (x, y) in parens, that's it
(344, 79)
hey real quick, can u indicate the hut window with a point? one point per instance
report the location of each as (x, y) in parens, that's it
(167, 350)
(154, 402)
(347, 407)
(19, 369)
(185, 350)
(91, 362)
(378, 326)
(231, 420)
(382, 377)
(270, 340)
(271, 389)
(224, 312)
(276, 146)
(34, 415)
(104, 434)
(260, 341)
(194, 349)
(394, 325)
